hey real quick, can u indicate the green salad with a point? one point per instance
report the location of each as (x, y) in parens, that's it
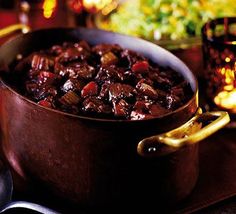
(165, 19)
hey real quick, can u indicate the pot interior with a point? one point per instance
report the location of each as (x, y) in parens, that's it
(42, 39)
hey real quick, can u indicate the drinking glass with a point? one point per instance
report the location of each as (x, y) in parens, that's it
(219, 55)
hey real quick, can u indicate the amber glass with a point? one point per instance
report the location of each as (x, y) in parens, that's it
(219, 55)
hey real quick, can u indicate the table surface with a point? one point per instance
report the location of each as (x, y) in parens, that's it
(216, 186)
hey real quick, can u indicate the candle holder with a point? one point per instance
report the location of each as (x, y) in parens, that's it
(219, 55)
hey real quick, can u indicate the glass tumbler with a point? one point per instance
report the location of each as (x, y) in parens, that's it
(219, 55)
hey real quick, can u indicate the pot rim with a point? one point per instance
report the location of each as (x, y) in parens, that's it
(194, 88)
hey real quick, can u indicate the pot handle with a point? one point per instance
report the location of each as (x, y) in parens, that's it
(196, 129)
(13, 28)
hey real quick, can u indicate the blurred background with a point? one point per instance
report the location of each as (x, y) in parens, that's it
(155, 20)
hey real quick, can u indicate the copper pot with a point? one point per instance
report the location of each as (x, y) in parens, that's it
(100, 162)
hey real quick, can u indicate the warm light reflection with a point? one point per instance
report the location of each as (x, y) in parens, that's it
(96, 5)
(48, 8)
(109, 8)
(75, 5)
(227, 100)
(227, 59)
(227, 97)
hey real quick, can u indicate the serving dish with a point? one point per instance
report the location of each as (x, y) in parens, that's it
(94, 21)
(173, 25)
(99, 162)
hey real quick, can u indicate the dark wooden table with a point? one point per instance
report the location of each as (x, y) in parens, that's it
(216, 187)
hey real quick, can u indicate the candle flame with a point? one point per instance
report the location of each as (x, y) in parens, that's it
(48, 8)
(226, 98)
(227, 59)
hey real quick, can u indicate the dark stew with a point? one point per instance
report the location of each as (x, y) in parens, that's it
(102, 81)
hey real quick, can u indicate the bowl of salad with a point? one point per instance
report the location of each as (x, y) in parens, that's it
(169, 23)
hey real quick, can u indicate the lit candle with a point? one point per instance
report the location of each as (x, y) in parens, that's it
(219, 51)
(226, 97)
(49, 7)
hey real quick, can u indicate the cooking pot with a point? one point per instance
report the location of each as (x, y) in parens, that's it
(101, 162)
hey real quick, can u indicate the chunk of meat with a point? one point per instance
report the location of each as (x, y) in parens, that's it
(73, 84)
(121, 108)
(147, 90)
(131, 57)
(81, 70)
(95, 105)
(121, 91)
(102, 49)
(110, 74)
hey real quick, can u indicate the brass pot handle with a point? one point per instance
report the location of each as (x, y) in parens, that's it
(13, 28)
(196, 129)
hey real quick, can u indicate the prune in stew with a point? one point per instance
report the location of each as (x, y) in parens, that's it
(79, 70)
(103, 81)
(83, 44)
(146, 90)
(121, 91)
(85, 71)
(56, 50)
(71, 54)
(142, 105)
(104, 92)
(110, 74)
(102, 49)
(38, 93)
(121, 108)
(95, 105)
(46, 77)
(131, 57)
(72, 84)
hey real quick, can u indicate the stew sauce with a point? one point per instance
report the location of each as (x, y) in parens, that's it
(102, 81)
